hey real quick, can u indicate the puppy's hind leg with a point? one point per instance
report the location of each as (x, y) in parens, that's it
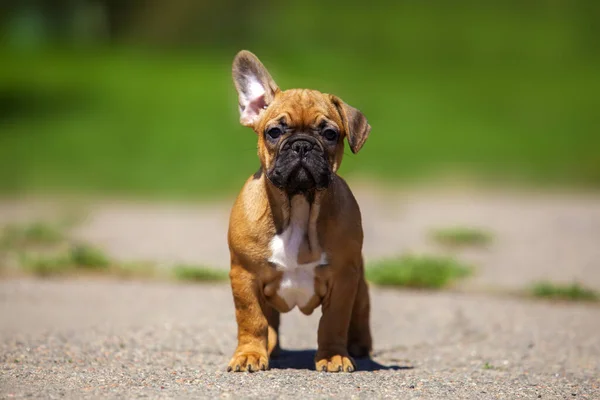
(273, 345)
(360, 343)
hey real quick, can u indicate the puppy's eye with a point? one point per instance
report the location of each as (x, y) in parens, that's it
(274, 132)
(330, 135)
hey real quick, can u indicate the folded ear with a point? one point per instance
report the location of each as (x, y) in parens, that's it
(355, 124)
(256, 89)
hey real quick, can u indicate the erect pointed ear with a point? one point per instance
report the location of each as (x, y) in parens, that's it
(355, 124)
(256, 89)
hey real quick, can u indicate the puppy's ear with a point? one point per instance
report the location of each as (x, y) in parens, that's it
(256, 89)
(355, 124)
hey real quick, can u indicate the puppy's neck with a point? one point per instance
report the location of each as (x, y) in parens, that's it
(299, 211)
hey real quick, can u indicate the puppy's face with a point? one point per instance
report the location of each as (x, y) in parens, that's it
(300, 131)
(300, 140)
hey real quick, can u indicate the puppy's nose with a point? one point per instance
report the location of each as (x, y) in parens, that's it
(302, 146)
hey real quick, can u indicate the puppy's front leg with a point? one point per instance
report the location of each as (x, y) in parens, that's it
(332, 354)
(251, 353)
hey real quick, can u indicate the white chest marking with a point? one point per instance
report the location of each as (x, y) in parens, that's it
(297, 284)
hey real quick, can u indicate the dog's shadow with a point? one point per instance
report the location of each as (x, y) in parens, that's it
(305, 359)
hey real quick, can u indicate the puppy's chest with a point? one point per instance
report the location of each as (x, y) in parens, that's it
(297, 283)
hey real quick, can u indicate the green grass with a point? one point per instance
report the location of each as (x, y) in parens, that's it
(87, 257)
(63, 258)
(478, 95)
(487, 365)
(33, 234)
(199, 274)
(133, 270)
(46, 265)
(44, 250)
(571, 292)
(462, 237)
(102, 124)
(421, 272)
(70, 264)
(78, 258)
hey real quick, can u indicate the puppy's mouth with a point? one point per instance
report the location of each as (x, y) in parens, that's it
(300, 166)
(297, 180)
(302, 180)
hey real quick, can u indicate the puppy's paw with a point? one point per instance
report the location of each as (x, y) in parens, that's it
(248, 361)
(334, 363)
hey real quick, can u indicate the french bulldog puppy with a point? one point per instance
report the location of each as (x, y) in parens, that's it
(295, 232)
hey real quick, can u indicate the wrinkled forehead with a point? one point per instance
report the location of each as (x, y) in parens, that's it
(302, 108)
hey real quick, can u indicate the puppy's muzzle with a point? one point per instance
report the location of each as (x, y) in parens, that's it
(300, 165)
(301, 146)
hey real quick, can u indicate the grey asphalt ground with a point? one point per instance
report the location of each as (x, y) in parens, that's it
(91, 339)
(102, 338)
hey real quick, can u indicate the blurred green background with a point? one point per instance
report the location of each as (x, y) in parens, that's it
(135, 97)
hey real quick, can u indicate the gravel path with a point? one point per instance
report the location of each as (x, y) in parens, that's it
(90, 339)
(103, 338)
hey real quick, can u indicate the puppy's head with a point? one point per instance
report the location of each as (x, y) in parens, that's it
(300, 131)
